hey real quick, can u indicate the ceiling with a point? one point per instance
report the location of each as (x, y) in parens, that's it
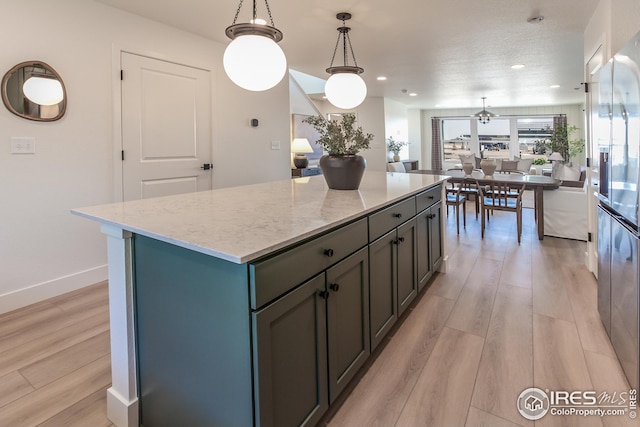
(450, 53)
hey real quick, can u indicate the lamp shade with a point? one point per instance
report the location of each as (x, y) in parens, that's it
(345, 90)
(43, 90)
(254, 62)
(301, 145)
(556, 156)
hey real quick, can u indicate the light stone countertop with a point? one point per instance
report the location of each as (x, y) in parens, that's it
(240, 224)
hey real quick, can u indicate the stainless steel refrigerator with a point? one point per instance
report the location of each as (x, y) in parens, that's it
(618, 134)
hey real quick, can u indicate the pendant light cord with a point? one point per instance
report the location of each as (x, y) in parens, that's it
(255, 12)
(344, 33)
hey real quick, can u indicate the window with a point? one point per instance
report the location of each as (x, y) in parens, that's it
(532, 136)
(494, 138)
(456, 134)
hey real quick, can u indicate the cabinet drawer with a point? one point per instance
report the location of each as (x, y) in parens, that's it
(276, 275)
(428, 197)
(386, 219)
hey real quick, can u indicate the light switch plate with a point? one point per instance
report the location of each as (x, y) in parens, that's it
(275, 145)
(23, 145)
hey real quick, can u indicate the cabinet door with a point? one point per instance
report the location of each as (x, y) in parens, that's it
(347, 319)
(407, 265)
(435, 235)
(290, 358)
(382, 287)
(425, 270)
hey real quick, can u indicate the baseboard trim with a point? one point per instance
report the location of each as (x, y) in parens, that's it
(120, 411)
(41, 291)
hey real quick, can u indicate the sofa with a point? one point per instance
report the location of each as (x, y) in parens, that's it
(565, 211)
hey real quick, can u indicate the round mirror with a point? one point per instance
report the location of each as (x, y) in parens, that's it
(35, 91)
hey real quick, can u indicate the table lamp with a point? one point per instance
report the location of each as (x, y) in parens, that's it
(299, 146)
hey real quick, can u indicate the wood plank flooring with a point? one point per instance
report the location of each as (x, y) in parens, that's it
(506, 317)
(55, 363)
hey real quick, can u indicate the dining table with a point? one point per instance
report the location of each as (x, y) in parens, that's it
(537, 183)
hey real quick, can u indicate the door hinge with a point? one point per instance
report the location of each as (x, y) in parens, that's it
(122, 155)
(121, 74)
(586, 87)
(588, 161)
(589, 237)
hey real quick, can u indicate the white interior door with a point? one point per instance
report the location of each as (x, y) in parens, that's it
(166, 128)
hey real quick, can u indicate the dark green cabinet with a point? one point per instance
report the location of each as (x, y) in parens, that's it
(290, 358)
(407, 265)
(347, 319)
(310, 343)
(383, 285)
(429, 242)
(393, 281)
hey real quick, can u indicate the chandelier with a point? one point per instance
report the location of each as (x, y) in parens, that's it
(345, 88)
(253, 60)
(484, 116)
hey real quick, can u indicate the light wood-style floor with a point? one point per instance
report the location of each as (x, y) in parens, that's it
(55, 362)
(505, 318)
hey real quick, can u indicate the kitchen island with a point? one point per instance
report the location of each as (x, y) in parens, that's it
(256, 305)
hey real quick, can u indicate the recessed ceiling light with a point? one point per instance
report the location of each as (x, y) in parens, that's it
(413, 94)
(554, 86)
(381, 78)
(517, 66)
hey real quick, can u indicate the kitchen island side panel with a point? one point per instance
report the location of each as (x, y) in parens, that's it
(193, 337)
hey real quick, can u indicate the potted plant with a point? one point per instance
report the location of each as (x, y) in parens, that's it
(395, 147)
(342, 167)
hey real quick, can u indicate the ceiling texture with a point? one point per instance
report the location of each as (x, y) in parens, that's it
(448, 52)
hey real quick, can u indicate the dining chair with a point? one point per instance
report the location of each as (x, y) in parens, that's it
(468, 189)
(499, 196)
(455, 198)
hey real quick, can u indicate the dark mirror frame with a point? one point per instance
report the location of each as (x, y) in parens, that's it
(15, 100)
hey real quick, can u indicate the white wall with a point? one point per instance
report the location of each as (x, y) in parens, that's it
(396, 124)
(415, 138)
(371, 117)
(613, 24)
(44, 250)
(625, 22)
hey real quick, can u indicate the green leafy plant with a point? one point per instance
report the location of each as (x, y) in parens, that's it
(562, 143)
(340, 138)
(539, 161)
(395, 146)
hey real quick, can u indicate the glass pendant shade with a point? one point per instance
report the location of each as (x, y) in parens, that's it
(43, 90)
(345, 90)
(254, 62)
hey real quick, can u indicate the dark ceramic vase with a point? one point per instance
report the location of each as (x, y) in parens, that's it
(343, 172)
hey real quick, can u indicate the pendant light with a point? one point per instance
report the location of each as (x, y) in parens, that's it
(484, 116)
(345, 88)
(253, 60)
